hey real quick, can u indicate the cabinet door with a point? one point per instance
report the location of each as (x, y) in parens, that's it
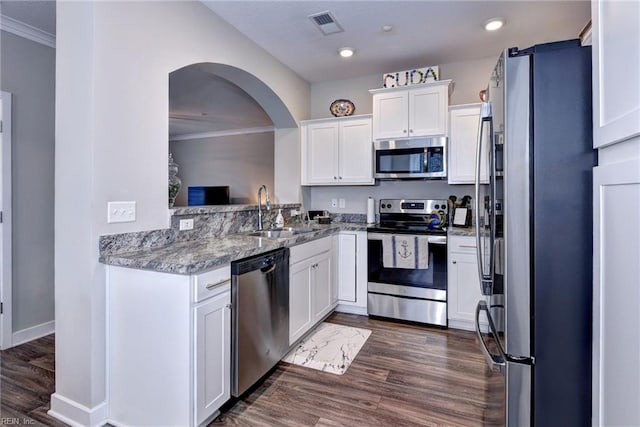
(212, 355)
(321, 153)
(300, 318)
(616, 71)
(390, 115)
(428, 110)
(463, 140)
(464, 289)
(347, 267)
(321, 271)
(616, 319)
(356, 152)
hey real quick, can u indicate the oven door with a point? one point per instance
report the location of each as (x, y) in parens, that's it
(401, 292)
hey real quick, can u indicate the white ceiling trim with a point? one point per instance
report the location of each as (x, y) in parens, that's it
(27, 31)
(218, 134)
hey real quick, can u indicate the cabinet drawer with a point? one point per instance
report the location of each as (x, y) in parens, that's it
(211, 283)
(462, 244)
(309, 249)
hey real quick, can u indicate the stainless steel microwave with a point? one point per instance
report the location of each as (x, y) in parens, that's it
(423, 158)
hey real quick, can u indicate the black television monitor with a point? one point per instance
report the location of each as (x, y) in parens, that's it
(207, 195)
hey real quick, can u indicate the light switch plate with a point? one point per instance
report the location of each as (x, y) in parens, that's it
(121, 212)
(342, 203)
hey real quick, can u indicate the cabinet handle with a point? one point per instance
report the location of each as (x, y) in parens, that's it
(213, 285)
(468, 246)
(339, 177)
(335, 177)
(410, 130)
(228, 306)
(404, 131)
(454, 262)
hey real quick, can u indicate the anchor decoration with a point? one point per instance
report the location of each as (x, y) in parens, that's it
(405, 252)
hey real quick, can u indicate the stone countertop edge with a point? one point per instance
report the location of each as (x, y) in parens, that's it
(198, 256)
(198, 210)
(461, 231)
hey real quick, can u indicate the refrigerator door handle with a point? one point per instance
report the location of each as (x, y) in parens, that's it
(497, 362)
(486, 280)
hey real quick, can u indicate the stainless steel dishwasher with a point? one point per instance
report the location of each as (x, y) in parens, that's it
(260, 316)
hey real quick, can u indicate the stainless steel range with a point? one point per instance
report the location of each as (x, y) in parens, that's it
(407, 261)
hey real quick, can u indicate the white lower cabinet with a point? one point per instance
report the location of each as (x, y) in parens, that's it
(168, 346)
(351, 258)
(299, 299)
(311, 280)
(212, 320)
(463, 283)
(347, 267)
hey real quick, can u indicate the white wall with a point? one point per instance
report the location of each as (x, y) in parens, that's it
(113, 65)
(243, 162)
(469, 78)
(28, 72)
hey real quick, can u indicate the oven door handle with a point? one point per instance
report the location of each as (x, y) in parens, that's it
(432, 240)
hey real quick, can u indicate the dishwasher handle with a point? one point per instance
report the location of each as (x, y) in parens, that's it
(269, 268)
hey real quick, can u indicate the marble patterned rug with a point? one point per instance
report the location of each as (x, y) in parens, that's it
(330, 348)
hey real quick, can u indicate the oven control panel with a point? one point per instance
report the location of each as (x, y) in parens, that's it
(407, 206)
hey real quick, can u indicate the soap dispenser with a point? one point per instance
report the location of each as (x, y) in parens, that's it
(279, 219)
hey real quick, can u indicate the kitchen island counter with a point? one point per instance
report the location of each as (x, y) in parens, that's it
(199, 255)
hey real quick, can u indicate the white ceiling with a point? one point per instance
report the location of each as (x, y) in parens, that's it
(424, 33)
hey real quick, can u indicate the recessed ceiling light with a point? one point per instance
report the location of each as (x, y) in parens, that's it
(346, 52)
(494, 24)
(387, 28)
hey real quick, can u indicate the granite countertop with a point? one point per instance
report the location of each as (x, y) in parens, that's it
(461, 231)
(196, 256)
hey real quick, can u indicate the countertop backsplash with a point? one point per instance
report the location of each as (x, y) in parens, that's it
(209, 221)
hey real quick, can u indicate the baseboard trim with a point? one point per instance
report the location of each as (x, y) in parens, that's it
(29, 334)
(467, 325)
(75, 414)
(352, 309)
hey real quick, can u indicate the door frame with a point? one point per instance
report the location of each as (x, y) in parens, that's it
(6, 330)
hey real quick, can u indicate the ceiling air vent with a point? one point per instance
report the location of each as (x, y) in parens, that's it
(326, 23)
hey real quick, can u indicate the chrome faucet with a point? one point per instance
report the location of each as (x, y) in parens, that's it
(267, 204)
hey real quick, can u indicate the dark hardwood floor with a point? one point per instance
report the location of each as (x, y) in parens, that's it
(405, 375)
(27, 381)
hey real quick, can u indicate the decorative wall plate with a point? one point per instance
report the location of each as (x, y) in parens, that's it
(342, 108)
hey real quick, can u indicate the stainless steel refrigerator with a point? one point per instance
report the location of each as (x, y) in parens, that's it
(534, 232)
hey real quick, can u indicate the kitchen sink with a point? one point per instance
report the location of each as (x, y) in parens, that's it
(281, 232)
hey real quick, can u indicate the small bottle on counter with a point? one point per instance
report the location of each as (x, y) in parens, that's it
(279, 219)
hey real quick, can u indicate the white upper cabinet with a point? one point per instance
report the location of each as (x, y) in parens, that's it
(407, 112)
(337, 151)
(463, 140)
(616, 67)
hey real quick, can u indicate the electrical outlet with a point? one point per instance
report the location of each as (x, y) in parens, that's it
(342, 203)
(334, 203)
(186, 224)
(121, 212)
